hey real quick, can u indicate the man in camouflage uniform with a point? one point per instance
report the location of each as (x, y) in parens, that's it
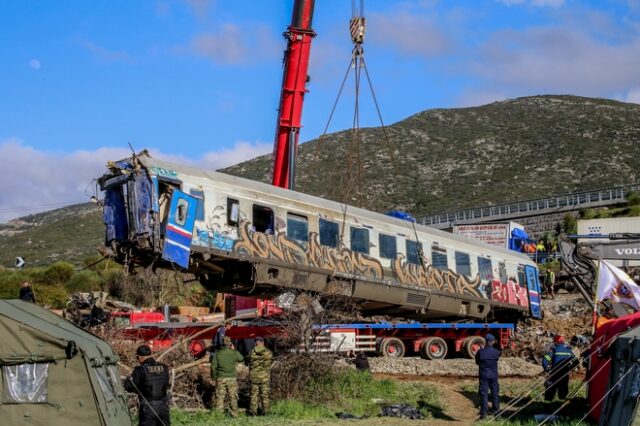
(223, 372)
(260, 360)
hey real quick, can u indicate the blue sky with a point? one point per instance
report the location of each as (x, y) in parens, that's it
(199, 80)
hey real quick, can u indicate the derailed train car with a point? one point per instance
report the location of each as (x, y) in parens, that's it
(249, 238)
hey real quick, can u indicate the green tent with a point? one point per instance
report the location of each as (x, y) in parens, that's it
(55, 373)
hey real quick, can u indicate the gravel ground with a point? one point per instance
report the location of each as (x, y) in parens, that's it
(450, 367)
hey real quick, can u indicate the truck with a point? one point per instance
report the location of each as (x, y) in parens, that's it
(509, 235)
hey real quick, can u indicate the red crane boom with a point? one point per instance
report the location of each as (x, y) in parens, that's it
(296, 62)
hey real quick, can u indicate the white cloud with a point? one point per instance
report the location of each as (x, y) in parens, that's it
(105, 54)
(633, 96)
(200, 8)
(559, 60)
(234, 45)
(34, 64)
(408, 32)
(36, 180)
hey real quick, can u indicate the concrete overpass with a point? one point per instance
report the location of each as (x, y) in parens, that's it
(530, 208)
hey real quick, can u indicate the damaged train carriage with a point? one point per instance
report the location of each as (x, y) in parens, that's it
(249, 238)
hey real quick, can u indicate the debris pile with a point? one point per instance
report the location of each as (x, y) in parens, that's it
(567, 314)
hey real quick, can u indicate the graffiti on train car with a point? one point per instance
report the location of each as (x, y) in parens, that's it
(510, 292)
(281, 248)
(430, 277)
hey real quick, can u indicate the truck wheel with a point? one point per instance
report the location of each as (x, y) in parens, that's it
(197, 348)
(392, 347)
(471, 345)
(433, 348)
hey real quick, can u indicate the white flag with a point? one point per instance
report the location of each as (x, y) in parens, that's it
(615, 284)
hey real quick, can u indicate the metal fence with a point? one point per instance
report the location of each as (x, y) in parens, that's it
(565, 202)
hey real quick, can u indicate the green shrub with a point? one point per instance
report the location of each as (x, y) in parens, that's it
(633, 198)
(58, 273)
(54, 296)
(85, 281)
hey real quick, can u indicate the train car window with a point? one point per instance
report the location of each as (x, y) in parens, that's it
(360, 240)
(233, 212)
(463, 263)
(439, 258)
(413, 252)
(297, 227)
(387, 245)
(262, 219)
(181, 212)
(485, 269)
(329, 233)
(199, 194)
(502, 268)
(521, 277)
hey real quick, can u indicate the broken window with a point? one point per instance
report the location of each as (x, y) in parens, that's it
(484, 269)
(233, 212)
(329, 232)
(25, 383)
(181, 212)
(439, 258)
(199, 194)
(521, 277)
(413, 252)
(387, 245)
(360, 240)
(502, 268)
(463, 263)
(297, 227)
(262, 219)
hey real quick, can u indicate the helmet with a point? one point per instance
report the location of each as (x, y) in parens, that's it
(490, 338)
(558, 339)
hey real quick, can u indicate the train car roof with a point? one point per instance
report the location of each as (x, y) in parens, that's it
(148, 161)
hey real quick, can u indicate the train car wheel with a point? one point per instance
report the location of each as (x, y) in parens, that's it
(471, 345)
(433, 348)
(392, 347)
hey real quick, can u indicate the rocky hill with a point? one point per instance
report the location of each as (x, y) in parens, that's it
(447, 159)
(435, 161)
(71, 233)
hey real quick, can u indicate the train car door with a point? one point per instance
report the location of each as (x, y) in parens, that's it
(533, 286)
(179, 230)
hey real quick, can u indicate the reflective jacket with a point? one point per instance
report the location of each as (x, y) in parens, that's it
(560, 356)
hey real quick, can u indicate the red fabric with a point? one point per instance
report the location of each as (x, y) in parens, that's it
(604, 337)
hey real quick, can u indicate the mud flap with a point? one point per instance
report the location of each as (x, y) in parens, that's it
(179, 231)
(533, 286)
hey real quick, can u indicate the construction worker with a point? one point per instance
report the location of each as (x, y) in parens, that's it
(218, 340)
(260, 360)
(549, 283)
(487, 360)
(558, 362)
(223, 373)
(150, 380)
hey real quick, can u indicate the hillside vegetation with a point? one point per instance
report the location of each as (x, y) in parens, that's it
(436, 161)
(449, 159)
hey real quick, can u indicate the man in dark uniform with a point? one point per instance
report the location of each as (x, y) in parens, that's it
(558, 362)
(26, 292)
(150, 380)
(487, 360)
